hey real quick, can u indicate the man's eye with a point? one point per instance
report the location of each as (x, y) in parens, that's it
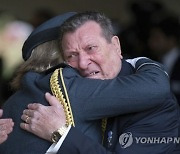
(90, 48)
(71, 56)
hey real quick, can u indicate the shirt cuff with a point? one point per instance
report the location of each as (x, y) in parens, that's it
(53, 149)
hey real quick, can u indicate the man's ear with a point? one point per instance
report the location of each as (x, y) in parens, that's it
(116, 44)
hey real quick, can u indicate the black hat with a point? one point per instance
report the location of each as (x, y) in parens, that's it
(45, 32)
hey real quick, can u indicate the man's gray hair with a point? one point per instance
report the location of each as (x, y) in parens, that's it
(74, 22)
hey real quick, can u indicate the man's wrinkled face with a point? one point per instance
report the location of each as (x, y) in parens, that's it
(90, 53)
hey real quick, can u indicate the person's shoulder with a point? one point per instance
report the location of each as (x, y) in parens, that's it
(15, 103)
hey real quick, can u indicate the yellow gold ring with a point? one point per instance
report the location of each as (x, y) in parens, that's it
(26, 120)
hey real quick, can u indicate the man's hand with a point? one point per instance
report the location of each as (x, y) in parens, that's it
(6, 127)
(43, 120)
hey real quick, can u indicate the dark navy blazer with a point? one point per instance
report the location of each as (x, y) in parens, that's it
(156, 122)
(92, 100)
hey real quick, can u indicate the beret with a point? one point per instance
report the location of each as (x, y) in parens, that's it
(47, 31)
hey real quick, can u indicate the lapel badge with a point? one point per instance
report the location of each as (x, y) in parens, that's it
(109, 139)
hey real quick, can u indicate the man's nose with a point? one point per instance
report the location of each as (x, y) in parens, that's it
(84, 61)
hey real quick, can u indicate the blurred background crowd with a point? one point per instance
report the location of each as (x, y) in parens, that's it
(153, 31)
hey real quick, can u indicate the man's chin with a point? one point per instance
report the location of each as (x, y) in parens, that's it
(96, 77)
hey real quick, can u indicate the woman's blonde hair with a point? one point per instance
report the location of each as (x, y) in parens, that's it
(42, 58)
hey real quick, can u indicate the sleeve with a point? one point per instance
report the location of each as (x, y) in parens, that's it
(145, 89)
(78, 143)
(149, 75)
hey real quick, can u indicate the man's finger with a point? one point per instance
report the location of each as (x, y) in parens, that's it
(3, 121)
(25, 126)
(34, 106)
(52, 100)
